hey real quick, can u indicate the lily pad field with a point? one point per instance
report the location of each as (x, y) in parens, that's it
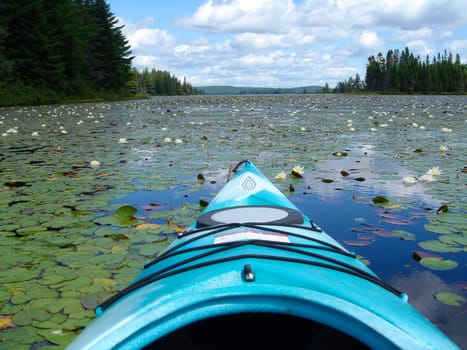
(90, 192)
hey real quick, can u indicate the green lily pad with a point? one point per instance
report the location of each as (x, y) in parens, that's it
(151, 249)
(18, 275)
(58, 336)
(69, 306)
(380, 200)
(91, 301)
(19, 338)
(440, 247)
(124, 215)
(453, 218)
(460, 239)
(4, 295)
(107, 259)
(404, 235)
(450, 298)
(441, 229)
(27, 316)
(438, 263)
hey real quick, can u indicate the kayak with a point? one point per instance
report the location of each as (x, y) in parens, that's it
(254, 272)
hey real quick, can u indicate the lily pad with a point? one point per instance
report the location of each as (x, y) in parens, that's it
(438, 263)
(460, 238)
(148, 226)
(151, 250)
(450, 298)
(439, 228)
(358, 243)
(440, 247)
(27, 316)
(380, 200)
(124, 215)
(457, 219)
(18, 275)
(107, 259)
(404, 235)
(6, 321)
(58, 336)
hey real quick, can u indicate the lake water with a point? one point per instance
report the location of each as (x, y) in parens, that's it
(60, 243)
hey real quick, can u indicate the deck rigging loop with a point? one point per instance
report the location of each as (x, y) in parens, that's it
(248, 274)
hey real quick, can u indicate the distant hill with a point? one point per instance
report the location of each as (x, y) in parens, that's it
(238, 90)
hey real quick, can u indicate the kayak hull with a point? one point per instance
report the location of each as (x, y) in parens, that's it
(216, 279)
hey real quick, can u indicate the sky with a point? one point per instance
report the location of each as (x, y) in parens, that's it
(284, 43)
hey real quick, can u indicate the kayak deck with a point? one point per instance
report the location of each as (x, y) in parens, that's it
(254, 272)
(229, 242)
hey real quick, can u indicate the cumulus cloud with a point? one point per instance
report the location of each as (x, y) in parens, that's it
(145, 39)
(290, 43)
(240, 16)
(369, 39)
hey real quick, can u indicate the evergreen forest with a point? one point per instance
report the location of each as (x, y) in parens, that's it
(70, 50)
(159, 83)
(403, 72)
(53, 50)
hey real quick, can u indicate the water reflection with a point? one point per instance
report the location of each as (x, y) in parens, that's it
(381, 177)
(421, 286)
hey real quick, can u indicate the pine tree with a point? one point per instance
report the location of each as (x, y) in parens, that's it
(6, 66)
(409, 74)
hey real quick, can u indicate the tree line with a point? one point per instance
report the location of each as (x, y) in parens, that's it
(51, 50)
(403, 72)
(159, 83)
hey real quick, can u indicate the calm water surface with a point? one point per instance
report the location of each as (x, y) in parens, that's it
(150, 153)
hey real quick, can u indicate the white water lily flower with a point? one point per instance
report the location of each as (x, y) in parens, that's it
(95, 163)
(178, 141)
(35, 134)
(281, 176)
(427, 178)
(122, 140)
(409, 180)
(435, 171)
(298, 170)
(443, 148)
(446, 129)
(168, 139)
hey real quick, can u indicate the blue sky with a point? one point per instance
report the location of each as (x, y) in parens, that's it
(284, 43)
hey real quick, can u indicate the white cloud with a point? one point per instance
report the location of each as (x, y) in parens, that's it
(145, 39)
(421, 47)
(272, 41)
(292, 43)
(240, 16)
(146, 61)
(369, 39)
(408, 35)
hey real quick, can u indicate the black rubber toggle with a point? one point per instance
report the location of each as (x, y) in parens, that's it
(248, 274)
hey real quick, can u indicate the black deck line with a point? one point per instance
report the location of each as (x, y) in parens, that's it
(175, 268)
